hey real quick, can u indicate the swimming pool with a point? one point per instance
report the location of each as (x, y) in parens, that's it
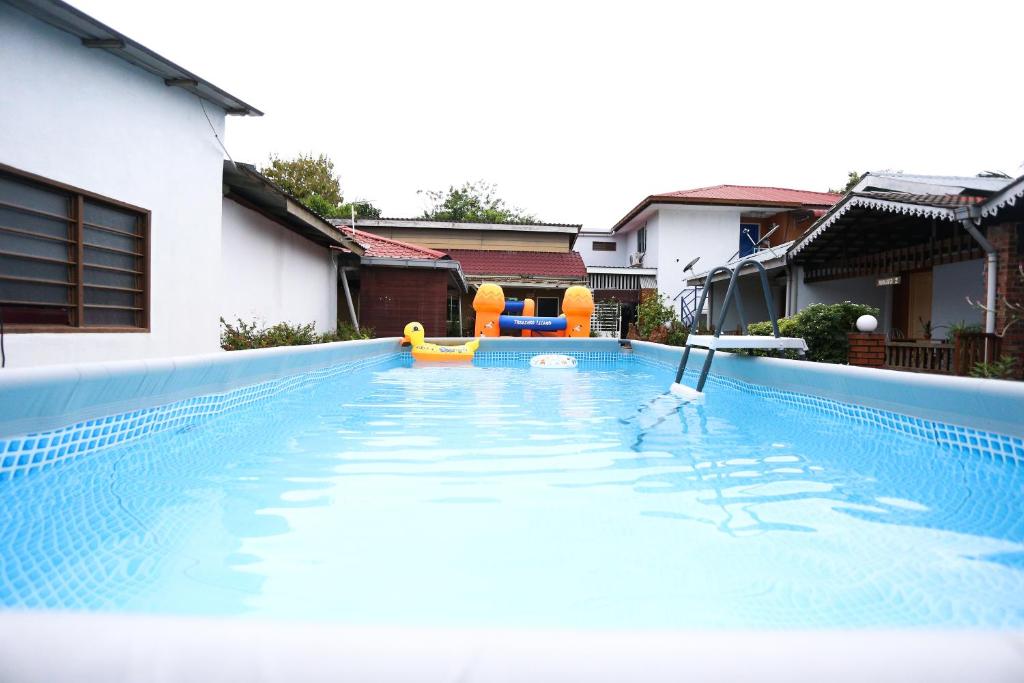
(500, 496)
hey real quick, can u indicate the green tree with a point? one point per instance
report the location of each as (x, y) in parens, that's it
(313, 182)
(474, 202)
(852, 178)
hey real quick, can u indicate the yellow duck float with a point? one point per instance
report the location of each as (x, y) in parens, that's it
(421, 350)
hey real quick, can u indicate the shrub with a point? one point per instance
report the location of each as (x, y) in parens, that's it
(1004, 368)
(250, 335)
(346, 332)
(652, 314)
(677, 334)
(823, 326)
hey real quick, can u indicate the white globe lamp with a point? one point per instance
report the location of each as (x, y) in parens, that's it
(867, 323)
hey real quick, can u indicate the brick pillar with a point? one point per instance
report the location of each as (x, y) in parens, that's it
(1006, 238)
(867, 349)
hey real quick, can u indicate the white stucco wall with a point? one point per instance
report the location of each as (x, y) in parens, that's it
(270, 274)
(614, 259)
(951, 283)
(681, 234)
(858, 290)
(753, 300)
(86, 118)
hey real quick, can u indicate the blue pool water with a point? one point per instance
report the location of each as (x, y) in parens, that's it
(511, 497)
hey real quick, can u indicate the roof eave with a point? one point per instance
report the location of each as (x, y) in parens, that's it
(655, 199)
(247, 186)
(851, 201)
(97, 35)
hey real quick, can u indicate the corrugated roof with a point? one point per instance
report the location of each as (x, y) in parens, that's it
(924, 199)
(523, 263)
(382, 247)
(741, 193)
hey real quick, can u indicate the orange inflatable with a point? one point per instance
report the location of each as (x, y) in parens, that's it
(490, 306)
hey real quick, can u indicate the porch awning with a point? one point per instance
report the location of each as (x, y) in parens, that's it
(771, 258)
(875, 233)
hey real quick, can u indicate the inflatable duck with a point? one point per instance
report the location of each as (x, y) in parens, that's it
(422, 351)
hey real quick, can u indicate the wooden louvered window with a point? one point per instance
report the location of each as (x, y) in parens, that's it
(70, 260)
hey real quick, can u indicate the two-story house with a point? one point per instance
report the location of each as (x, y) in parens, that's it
(667, 237)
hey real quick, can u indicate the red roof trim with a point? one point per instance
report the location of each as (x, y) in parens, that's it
(737, 195)
(381, 247)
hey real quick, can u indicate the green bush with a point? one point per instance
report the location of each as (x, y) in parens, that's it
(677, 334)
(652, 314)
(823, 326)
(1004, 368)
(346, 332)
(250, 335)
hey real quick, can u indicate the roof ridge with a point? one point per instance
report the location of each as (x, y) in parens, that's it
(755, 187)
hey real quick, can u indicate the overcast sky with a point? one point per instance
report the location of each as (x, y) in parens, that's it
(579, 110)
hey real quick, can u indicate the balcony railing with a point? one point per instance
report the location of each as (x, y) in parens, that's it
(920, 356)
(942, 358)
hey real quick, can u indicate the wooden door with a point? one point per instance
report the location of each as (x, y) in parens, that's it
(919, 303)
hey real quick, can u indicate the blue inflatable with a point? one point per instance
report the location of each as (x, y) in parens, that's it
(514, 307)
(521, 322)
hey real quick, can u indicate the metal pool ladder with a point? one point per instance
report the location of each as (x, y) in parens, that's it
(715, 341)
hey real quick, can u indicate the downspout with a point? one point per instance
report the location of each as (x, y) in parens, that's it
(348, 295)
(967, 217)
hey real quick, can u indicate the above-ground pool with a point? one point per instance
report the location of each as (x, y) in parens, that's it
(496, 495)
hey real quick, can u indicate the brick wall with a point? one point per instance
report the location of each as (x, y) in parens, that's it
(1009, 244)
(867, 349)
(390, 298)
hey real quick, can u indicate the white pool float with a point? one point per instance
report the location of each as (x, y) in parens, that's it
(552, 361)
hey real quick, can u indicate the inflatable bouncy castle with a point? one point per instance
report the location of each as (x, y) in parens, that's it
(495, 315)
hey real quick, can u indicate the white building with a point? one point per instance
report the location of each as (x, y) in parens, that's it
(123, 235)
(667, 238)
(277, 261)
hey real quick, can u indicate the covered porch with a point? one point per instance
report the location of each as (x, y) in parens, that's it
(924, 261)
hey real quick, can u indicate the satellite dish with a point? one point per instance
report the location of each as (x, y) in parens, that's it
(691, 264)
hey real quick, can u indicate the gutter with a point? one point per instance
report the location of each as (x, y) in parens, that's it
(436, 264)
(969, 216)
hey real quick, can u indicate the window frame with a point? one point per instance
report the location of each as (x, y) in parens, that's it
(77, 225)
(641, 240)
(605, 245)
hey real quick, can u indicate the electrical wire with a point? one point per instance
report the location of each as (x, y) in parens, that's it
(214, 130)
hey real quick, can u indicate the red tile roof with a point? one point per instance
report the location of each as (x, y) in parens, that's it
(737, 195)
(382, 247)
(535, 263)
(741, 193)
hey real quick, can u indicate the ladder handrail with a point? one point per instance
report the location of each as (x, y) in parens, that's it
(731, 294)
(732, 291)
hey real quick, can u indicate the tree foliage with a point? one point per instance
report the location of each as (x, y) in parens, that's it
(312, 180)
(852, 178)
(474, 202)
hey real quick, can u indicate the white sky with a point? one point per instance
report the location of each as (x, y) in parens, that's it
(579, 110)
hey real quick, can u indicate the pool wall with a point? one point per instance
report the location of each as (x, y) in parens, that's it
(995, 406)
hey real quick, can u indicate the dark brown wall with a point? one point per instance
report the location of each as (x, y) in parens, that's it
(390, 298)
